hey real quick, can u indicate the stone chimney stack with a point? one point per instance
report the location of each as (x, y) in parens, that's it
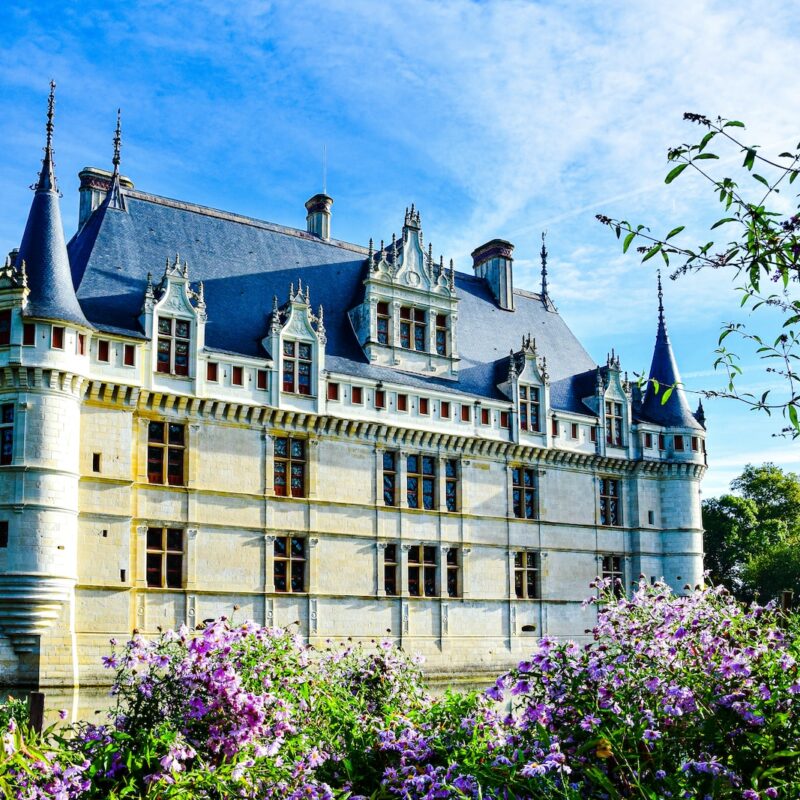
(493, 262)
(95, 183)
(318, 219)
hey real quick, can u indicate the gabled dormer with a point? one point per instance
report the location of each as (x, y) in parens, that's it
(612, 404)
(527, 385)
(408, 318)
(174, 316)
(296, 341)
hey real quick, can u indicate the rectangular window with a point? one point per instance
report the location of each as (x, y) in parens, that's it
(390, 566)
(166, 449)
(523, 492)
(261, 379)
(529, 408)
(554, 426)
(212, 371)
(444, 409)
(451, 484)
(289, 568)
(402, 402)
(96, 462)
(297, 367)
(380, 398)
(452, 572)
(593, 434)
(526, 575)
(424, 405)
(3, 533)
(695, 446)
(614, 423)
(6, 433)
(237, 376)
(29, 334)
(678, 441)
(504, 419)
(103, 350)
(174, 339)
(421, 481)
(80, 344)
(389, 478)
(290, 467)
(333, 390)
(466, 413)
(612, 571)
(648, 440)
(57, 340)
(485, 417)
(441, 334)
(609, 502)
(357, 395)
(5, 326)
(422, 571)
(662, 441)
(129, 355)
(165, 557)
(383, 323)
(413, 328)
(574, 430)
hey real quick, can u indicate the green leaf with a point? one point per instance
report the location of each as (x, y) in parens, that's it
(706, 139)
(628, 239)
(666, 395)
(723, 221)
(674, 172)
(656, 385)
(761, 179)
(793, 416)
(733, 123)
(674, 232)
(705, 155)
(651, 252)
(749, 158)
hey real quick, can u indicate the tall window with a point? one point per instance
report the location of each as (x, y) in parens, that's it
(422, 571)
(451, 484)
(523, 492)
(166, 447)
(421, 481)
(614, 423)
(452, 572)
(5, 326)
(390, 567)
(383, 323)
(290, 467)
(413, 328)
(129, 355)
(526, 575)
(103, 350)
(609, 502)
(612, 570)
(174, 338)
(297, 367)
(441, 334)
(6, 433)
(29, 334)
(529, 419)
(390, 478)
(165, 557)
(289, 568)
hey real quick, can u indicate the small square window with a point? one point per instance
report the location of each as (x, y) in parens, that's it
(380, 398)
(648, 440)
(333, 390)
(554, 425)
(504, 419)
(678, 439)
(29, 334)
(593, 433)
(424, 405)
(3, 533)
(357, 395)
(574, 430)
(58, 337)
(695, 446)
(466, 413)
(486, 418)
(651, 518)
(237, 376)
(103, 350)
(261, 379)
(212, 371)
(96, 462)
(81, 344)
(402, 402)
(444, 410)
(662, 441)
(129, 355)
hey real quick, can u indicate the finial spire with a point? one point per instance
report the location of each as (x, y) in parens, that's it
(117, 141)
(543, 254)
(47, 177)
(115, 198)
(660, 300)
(51, 112)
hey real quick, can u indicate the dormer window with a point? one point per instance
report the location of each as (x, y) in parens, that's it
(383, 323)
(614, 423)
(297, 360)
(174, 340)
(413, 328)
(529, 415)
(441, 334)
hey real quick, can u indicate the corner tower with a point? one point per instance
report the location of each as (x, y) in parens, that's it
(44, 356)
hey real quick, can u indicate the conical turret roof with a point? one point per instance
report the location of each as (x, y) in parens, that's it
(675, 412)
(43, 249)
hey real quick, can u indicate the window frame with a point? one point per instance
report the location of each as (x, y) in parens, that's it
(612, 567)
(289, 559)
(527, 570)
(294, 366)
(466, 413)
(530, 408)
(57, 332)
(422, 571)
(421, 484)
(212, 371)
(524, 488)
(237, 375)
(171, 453)
(291, 462)
(174, 341)
(104, 344)
(614, 419)
(357, 395)
(5, 327)
(163, 552)
(391, 569)
(610, 501)
(128, 349)
(261, 380)
(7, 417)
(390, 476)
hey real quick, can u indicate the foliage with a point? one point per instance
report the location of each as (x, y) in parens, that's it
(744, 533)
(763, 254)
(672, 697)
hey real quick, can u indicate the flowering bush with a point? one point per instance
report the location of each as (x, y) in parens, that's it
(688, 697)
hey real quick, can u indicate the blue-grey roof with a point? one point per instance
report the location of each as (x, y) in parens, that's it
(44, 252)
(243, 262)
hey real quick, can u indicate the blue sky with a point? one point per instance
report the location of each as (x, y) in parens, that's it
(498, 119)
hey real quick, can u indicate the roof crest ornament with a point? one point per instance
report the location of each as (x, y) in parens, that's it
(451, 278)
(275, 322)
(660, 300)
(115, 198)
(47, 176)
(512, 366)
(543, 254)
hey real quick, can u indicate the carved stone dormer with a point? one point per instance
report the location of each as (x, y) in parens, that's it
(527, 385)
(296, 342)
(612, 402)
(408, 318)
(174, 316)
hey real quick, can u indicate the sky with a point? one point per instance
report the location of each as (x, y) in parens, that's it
(497, 119)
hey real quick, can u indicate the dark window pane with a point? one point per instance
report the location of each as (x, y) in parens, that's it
(429, 554)
(388, 462)
(174, 570)
(390, 579)
(298, 576)
(8, 413)
(390, 554)
(451, 496)
(298, 480)
(298, 448)
(528, 474)
(164, 325)
(154, 538)
(441, 343)
(405, 335)
(430, 581)
(531, 560)
(288, 376)
(288, 349)
(427, 493)
(280, 576)
(155, 464)
(298, 548)
(280, 546)
(304, 351)
(452, 556)
(405, 313)
(413, 581)
(155, 432)
(532, 593)
(153, 569)
(419, 315)
(428, 465)
(6, 446)
(174, 539)
(175, 467)
(517, 501)
(389, 494)
(518, 590)
(182, 328)
(281, 447)
(5, 326)
(175, 433)
(517, 559)
(419, 337)
(413, 464)
(413, 501)
(452, 583)
(280, 478)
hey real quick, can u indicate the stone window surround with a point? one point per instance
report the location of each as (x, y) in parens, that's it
(401, 480)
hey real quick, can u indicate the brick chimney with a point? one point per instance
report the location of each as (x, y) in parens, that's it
(493, 262)
(318, 219)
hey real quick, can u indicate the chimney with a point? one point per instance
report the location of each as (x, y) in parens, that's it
(493, 262)
(95, 183)
(318, 219)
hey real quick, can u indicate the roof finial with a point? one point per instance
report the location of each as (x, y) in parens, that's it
(117, 141)
(47, 177)
(660, 299)
(115, 199)
(543, 254)
(451, 280)
(51, 111)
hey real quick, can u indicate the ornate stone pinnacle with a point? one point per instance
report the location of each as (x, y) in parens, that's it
(117, 141)
(51, 111)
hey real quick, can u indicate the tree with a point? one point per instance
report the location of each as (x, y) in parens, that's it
(769, 574)
(763, 254)
(746, 533)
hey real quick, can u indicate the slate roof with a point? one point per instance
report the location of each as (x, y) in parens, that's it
(243, 262)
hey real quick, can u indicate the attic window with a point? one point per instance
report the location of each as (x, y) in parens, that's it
(261, 380)
(129, 355)
(297, 367)
(103, 350)
(424, 405)
(441, 334)
(380, 398)
(212, 371)
(237, 376)
(466, 413)
(413, 328)
(174, 339)
(383, 323)
(57, 340)
(485, 417)
(402, 402)
(529, 408)
(614, 423)
(29, 334)
(357, 395)
(444, 410)
(333, 390)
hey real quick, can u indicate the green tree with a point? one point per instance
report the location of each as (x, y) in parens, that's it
(769, 574)
(763, 254)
